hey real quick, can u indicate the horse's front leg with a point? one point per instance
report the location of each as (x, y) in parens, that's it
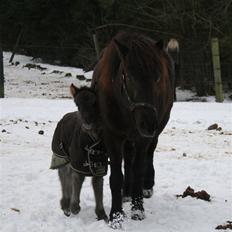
(138, 170)
(116, 182)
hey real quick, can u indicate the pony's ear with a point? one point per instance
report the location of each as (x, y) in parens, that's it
(160, 44)
(121, 49)
(73, 90)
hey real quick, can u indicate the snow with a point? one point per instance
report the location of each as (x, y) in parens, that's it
(28, 185)
(27, 83)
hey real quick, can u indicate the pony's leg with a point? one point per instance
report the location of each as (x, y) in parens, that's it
(149, 178)
(77, 181)
(97, 183)
(65, 176)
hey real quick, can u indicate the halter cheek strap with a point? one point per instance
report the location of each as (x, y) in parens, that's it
(133, 105)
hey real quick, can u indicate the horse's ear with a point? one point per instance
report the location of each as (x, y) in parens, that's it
(160, 44)
(73, 90)
(121, 49)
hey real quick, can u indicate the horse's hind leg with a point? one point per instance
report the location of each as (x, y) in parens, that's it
(65, 176)
(76, 184)
(97, 183)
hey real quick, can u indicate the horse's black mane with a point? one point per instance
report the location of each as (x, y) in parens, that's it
(143, 55)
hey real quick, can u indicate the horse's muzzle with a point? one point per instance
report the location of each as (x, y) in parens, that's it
(146, 119)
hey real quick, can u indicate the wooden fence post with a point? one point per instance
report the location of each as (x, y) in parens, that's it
(1, 73)
(16, 44)
(217, 69)
(96, 45)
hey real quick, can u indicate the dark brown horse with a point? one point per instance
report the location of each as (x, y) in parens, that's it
(134, 84)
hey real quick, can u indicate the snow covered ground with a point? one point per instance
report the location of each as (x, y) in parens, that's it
(187, 155)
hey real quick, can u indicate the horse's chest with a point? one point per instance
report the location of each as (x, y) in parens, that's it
(116, 116)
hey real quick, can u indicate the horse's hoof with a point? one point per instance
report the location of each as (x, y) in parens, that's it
(67, 212)
(147, 193)
(137, 210)
(116, 220)
(126, 199)
(137, 214)
(75, 209)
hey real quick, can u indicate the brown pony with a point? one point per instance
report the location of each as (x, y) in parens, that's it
(134, 84)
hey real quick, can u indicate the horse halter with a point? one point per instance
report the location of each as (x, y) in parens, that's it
(133, 105)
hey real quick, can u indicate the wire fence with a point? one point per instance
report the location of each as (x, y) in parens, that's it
(194, 68)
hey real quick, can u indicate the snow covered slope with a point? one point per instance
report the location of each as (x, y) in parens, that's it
(187, 155)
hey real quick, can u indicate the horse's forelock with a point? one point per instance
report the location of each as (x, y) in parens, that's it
(144, 56)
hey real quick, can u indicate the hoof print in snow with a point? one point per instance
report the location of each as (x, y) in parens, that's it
(203, 195)
(3, 131)
(68, 75)
(56, 72)
(213, 127)
(34, 66)
(80, 77)
(184, 154)
(225, 227)
(16, 210)
(41, 132)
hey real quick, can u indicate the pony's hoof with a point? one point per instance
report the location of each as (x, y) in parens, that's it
(137, 214)
(102, 216)
(75, 209)
(67, 212)
(147, 193)
(126, 199)
(116, 220)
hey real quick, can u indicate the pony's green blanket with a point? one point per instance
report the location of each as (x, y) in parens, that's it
(71, 143)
